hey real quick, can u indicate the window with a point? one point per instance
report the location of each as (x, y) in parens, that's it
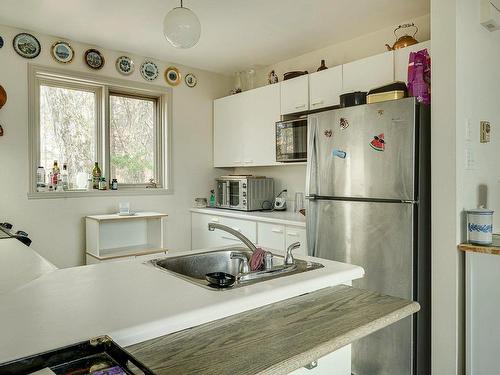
(79, 119)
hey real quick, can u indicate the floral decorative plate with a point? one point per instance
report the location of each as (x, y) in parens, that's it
(149, 70)
(172, 76)
(190, 80)
(62, 52)
(94, 59)
(26, 45)
(125, 65)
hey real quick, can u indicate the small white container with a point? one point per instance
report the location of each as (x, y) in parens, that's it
(480, 226)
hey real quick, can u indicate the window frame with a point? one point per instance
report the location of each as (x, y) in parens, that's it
(103, 87)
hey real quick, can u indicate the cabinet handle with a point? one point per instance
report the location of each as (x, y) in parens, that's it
(215, 220)
(236, 229)
(300, 106)
(248, 161)
(276, 230)
(318, 102)
(293, 234)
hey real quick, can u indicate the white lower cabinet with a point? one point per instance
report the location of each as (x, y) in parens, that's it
(264, 234)
(271, 236)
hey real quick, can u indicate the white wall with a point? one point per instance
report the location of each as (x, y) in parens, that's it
(464, 87)
(56, 225)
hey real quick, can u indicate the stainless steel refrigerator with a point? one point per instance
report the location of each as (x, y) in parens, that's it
(368, 203)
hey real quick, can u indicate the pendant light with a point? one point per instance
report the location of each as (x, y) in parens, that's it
(181, 27)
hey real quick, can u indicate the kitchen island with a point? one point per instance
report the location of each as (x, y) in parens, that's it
(135, 303)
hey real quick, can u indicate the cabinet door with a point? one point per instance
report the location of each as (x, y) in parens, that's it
(295, 95)
(262, 111)
(245, 227)
(228, 131)
(271, 236)
(401, 57)
(368, 73)
(296, 234)
(325, 88)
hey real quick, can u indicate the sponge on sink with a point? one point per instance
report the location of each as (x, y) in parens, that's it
(257, 259)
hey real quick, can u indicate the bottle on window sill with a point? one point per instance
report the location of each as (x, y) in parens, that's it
(40, 179)
(102, 184)
(55, 173)
(114, 184)
(65, 177)
(96, 175)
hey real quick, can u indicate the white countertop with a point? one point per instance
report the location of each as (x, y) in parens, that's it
(134, 302)
(20, 264)
(277, 217)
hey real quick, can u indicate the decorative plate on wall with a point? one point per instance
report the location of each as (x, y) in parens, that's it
(149, 70)
(1, 42)
(125, 65)
(172, 76)
(3, 97)
(190, 80)
(26, 45)
(94, 59)
(62, 52)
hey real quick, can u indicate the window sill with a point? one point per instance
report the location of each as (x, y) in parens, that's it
(98, 193)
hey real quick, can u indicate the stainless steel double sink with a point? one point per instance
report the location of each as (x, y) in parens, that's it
(194, 267)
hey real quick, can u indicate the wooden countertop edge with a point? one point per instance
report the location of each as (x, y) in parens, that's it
(471, 248)
(203, 349)
(338, 342)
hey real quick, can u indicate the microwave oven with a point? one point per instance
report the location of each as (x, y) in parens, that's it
(244, 193)
(291, 140)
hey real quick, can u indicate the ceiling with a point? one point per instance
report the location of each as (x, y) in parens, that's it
(236, 34)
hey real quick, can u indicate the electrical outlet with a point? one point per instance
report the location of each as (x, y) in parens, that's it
(485, 131)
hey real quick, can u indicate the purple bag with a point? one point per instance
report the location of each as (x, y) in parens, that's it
(419, 76)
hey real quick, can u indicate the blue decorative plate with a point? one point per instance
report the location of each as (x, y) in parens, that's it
(26, 45)
(149, 70)
(125, 65)
(62, 52)
(94, 59)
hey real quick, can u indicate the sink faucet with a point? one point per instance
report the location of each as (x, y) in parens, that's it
(238, 235)
(289, 256)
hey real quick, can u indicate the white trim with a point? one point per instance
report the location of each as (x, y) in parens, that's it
(97, 193)
(101, 86)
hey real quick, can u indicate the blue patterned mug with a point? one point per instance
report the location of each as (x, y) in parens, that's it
(480, 226)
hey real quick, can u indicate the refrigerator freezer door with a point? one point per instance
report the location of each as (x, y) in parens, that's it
(378, 237)
(363, 152)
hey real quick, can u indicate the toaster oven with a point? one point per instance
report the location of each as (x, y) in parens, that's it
(244, 193)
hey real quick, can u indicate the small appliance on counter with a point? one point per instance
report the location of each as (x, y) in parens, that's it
(392, 91)
(280, 201)
(291, 140)
(244, 192)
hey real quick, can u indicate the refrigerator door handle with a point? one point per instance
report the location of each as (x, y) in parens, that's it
(311, 197)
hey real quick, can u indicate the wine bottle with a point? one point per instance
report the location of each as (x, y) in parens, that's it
(96, 176)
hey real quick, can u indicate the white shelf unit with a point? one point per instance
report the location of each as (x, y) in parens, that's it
(115, 237)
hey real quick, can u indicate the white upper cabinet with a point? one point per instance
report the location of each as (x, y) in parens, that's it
(368, 73)
(244, 128)
(295, 95)
(325, 88)
(401, 57)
